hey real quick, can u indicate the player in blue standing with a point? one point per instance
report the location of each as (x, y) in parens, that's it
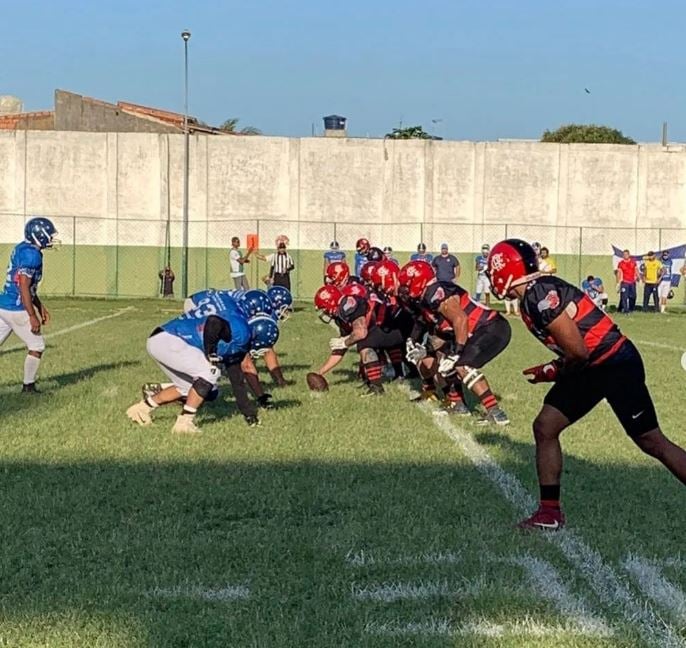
(422, 255)
(21, 311)
(333, 255)
(483, 285)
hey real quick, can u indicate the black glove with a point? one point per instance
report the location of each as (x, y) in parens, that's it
(265, 401)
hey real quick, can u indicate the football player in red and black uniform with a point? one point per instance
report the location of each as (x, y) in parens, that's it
(595, 361)
(478, 334)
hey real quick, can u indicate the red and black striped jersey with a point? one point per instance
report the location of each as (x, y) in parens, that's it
(372, 308)
(436, 293)
(547, 298)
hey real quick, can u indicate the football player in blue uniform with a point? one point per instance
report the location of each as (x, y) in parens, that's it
(21, 311)
(190, 350)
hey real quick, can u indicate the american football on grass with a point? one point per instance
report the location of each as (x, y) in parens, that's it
(317, 382)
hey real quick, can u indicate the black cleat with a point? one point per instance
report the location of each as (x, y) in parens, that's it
(265, 401)
(29, 388)
(252, 421)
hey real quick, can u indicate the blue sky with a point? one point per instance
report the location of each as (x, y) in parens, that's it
(488, 70)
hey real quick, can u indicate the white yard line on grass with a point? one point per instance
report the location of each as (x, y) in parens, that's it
(606, 584)
(75, 327)
(651, 580)
(219, 594)
(399, 591)
(659, 345)
(547, 583)
(484, 628)
(364, 558)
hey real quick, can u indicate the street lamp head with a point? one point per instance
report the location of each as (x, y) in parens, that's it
(185, 35)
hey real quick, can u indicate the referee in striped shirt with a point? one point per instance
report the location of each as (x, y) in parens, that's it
(281, 266)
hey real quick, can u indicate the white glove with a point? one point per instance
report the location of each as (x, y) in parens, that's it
(415, 353)
(337, 344)
(447, 366)
(214, 358)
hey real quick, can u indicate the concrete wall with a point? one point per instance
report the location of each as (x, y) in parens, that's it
(395, 192)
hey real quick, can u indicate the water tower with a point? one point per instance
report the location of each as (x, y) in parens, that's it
(334, 126)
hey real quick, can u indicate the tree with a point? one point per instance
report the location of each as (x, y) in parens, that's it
(586, 134)
(409, 132)
(231, 126)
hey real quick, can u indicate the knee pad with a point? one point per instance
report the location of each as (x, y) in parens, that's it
(203, 387)
(38, 347)
(369, 355)
(213, 395)
(472, 377)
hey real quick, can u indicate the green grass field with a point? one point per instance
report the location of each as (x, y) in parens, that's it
(339, 522)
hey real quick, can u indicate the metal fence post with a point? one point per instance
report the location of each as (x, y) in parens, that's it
(73, 256)
(659, 238)
(581, 251)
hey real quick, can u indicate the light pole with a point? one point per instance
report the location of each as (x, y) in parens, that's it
(186, 159)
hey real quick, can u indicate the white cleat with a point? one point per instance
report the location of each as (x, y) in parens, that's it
(185, 425)
(140, 413)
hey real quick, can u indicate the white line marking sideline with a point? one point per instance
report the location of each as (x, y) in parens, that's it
(659, 345)
(600, 576)
(220, 594)
(73, 328)
(397, 591)
(364, 558)
(650, 579)
(546, 581)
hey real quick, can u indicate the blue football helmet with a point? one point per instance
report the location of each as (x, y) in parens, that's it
(264, 334)
(281, 301)
(40, 232)
(255, 302)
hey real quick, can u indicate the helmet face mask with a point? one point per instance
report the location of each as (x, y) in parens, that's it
(281, 301)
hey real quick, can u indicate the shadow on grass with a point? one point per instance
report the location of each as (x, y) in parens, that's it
(99, 538)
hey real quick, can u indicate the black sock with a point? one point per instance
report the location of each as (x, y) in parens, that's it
(550, 494)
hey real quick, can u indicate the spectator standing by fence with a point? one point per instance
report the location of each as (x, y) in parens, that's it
(665, 280)
(483, 285)
(546, 263)
(421, 254)
(650, 270)
(446, 265)
(236, 262)
(627, 276)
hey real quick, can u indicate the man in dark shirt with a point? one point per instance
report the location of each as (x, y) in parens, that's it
(446, 265)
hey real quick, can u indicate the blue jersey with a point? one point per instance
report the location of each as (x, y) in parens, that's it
(481, 263)
(190, 327)
(334, 256)
(592, 288)
(26, 260)
(360, 262)
(418, 256)
(666, 270)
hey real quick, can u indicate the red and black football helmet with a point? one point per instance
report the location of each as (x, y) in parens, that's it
(362, 246)
(413, 279)
(338, 273)
(366, 272)
(327, 298)
(354, 290)
(384, 276)
(375, 254)
(511, 263)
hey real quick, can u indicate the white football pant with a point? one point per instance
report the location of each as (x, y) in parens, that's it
(18, 322)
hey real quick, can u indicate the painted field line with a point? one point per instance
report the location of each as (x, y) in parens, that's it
(545, 580)
(75, 327)
(653, 583)
(362, 558)
(606, 584)
(659, 345)
(223, 594)
(445, 628)
(399, 591)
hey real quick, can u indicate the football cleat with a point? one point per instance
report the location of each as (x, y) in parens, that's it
(373, 390)
(185, 425)
(544, 519)
(495, 416)
(29, 388)
(458, 409)
(252, 421)
(150, 389)
(140, 413)
(265, 401)
(425, 395)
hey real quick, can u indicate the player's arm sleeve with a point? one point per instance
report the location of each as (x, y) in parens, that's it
(216, 329)
(240, 390)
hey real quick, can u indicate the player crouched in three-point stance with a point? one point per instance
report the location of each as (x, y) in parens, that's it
(21, 311)
(595, 361)
(190, 348)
